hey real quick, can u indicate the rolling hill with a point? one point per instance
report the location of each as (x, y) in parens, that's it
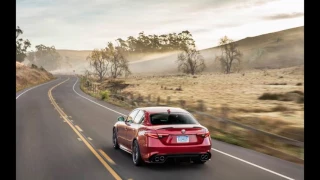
(273, 50)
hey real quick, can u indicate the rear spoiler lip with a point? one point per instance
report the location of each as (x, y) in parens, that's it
(179, 127)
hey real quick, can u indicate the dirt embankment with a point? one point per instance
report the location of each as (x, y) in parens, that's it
(30, 76)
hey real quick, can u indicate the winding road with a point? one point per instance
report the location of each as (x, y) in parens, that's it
(62, 133)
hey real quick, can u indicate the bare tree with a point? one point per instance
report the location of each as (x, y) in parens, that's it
(99, 63)
(118, 63)
(230, 54)
(190, 61)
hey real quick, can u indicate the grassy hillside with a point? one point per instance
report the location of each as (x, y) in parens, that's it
(274, 50)
(27, 76)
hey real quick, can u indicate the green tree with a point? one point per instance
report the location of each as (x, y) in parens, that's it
(99, 63)
(21, 46)
(157, 43)
(47, 57)
(118, 63)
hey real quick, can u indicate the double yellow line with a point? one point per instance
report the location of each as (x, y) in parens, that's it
(65, 117)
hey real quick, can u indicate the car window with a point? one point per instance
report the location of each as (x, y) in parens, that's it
(132, 115)
(138, 117)
(177, 118)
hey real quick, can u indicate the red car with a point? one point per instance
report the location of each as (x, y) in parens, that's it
(158, 134)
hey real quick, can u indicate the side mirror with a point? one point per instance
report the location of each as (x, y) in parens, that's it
(121, 118)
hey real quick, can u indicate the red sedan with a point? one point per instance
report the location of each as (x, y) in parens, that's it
(158, 134)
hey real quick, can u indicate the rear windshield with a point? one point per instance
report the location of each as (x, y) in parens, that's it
(177, 118)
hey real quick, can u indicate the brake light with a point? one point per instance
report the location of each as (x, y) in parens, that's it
(151, 133)
(154, 134)
(204, 135)
(162, 135)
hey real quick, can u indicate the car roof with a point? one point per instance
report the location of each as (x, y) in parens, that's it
(162, 109)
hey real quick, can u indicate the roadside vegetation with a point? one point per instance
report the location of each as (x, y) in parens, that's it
(27, 76)
(234, 97)
(267, 100)
(270, 101)
(44, 56)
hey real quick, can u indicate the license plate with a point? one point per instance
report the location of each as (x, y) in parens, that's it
(182, 139)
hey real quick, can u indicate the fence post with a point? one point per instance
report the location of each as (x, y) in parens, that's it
(168, 100)
(158, 100)
(224, 114)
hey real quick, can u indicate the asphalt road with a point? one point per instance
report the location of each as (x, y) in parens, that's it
(62, 133)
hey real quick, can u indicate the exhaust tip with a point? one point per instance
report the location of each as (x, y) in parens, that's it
(156, 158)
(161, 158)
(204, 157)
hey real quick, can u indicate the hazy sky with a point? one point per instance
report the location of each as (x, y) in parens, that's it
(89, 24)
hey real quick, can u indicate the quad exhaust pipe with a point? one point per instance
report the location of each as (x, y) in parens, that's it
(204, 157)
(159, 159)
(156, 158)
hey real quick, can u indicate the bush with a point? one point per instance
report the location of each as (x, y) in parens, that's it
(299, 84)
(179, 88)
(277, 84)
(297, 92)
(42, 69)
(269, 96)
(279, 108)
(300, 100)
(34, 66)
(296, 96)
(105, 95)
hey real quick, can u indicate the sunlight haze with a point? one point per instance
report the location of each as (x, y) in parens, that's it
(85, 25)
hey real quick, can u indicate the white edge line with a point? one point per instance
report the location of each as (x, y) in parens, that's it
(253, 164)
(93, 101)
(35, 87)
(257, 166)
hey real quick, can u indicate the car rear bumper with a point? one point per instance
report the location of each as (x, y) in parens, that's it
(162, 158)
(176, 152)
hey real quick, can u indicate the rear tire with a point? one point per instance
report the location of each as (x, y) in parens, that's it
(136, 156)
(115, 139)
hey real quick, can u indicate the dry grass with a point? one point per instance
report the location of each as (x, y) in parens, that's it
(27, 76)
(239, 92)
(234, 96)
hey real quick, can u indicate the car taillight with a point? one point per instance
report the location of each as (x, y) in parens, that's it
(162, 135)
(154, 134)
(204, 135)
(151, 133)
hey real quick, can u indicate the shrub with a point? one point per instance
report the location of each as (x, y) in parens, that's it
(270, 96)
(105, 95)
(300, 100)
(179, 88)
(42, 69)
(277, 84)
(34, 66)
(296, 96)
(279, 108)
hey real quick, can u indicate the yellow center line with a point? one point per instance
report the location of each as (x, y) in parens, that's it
(79, 129)
(106, 156)
(104, 163)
